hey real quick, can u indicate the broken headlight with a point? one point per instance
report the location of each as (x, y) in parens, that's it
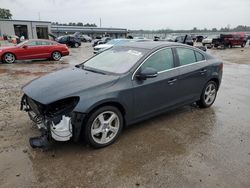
(64, 106)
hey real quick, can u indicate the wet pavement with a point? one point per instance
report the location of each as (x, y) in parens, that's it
(186, 147)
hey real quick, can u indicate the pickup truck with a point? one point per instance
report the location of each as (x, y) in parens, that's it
(230, 40)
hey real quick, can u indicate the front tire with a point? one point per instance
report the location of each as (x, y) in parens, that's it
(208, 95)
(56, 56)
(103, 126)
(9, 58)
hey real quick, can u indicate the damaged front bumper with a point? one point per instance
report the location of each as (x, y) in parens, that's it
(61, 126)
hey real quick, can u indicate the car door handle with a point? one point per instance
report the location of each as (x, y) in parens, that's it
(203, 71)
(172, 81)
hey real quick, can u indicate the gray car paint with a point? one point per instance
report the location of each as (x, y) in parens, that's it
(139, 99)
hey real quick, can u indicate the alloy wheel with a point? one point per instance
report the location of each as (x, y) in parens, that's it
(9, 58)
(105, 127)
(210, 94)
(56, 56)
(76, 45)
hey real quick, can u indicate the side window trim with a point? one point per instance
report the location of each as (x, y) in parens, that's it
(204, 58)
(178, 65)
(33, 45)
(175, 58)
(152, 55)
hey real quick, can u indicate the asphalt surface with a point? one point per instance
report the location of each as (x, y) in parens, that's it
(186, 147)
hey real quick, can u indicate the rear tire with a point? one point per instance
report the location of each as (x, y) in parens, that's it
(76, 45)
(208, 95)
(103, 127)
(9, 58)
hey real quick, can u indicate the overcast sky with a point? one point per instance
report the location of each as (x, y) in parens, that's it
(136, 14)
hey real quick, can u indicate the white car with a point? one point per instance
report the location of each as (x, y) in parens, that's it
(99, 48)
(208, 41)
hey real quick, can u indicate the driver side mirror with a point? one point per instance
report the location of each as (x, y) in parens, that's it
(25, 46)
(146, 73)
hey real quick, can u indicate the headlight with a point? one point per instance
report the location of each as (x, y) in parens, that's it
(61, 107)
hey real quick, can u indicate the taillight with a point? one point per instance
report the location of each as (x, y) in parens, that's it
(221, 66)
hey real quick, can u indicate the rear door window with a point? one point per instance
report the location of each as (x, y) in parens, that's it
(199, 56)
(186, 56)
(160, 61)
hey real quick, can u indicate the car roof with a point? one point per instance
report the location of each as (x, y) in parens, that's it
(30, 40)
(151, 44)
(120, 39)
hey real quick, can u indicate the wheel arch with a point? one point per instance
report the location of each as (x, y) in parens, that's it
(55, 50)
(10, 53)
(116, 104)
(216, 80)
(92, 109)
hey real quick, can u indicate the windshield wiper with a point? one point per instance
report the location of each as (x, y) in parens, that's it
(91, 70)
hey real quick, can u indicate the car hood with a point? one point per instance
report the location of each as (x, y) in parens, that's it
(207, 40)
(66, 83)
(104, 46)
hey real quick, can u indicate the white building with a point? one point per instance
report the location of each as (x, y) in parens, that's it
(41, 29)
(28, 29)
(91, 31)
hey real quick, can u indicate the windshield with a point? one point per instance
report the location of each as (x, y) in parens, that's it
(60, 37)
(116, 60)
(113, 41)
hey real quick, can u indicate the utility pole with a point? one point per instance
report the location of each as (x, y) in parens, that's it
(100, 22)
(39, 16)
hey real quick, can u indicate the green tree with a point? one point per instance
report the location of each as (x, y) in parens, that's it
(194, 29)
(90, 25)
(5, 14)
(214, 29)
(79, 24)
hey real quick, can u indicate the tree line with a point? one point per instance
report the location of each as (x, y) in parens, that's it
(196, 30)
(75, 24)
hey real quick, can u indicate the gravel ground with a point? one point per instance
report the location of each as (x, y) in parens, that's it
(186, 147)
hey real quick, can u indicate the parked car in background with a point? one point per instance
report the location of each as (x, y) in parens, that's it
(33, 49)
(77, 35)
(103, 40)
(114, 42)
(208, 41)
(119, 87)
(230, 40)
(193, 36)
(52, 36)
(85, 38)
(99, 48)
(69, 40)
(199, 38)
(184, 39)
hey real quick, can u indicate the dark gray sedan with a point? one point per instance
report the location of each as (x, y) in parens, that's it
(119, 87)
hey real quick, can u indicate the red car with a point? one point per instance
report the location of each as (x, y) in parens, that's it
(34, 49)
